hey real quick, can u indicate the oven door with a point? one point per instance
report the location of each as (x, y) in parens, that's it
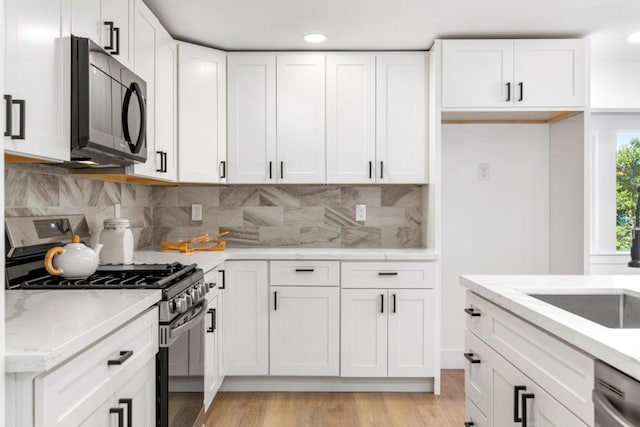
(180, 387)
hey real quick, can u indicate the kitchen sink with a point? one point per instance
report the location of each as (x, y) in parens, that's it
(616, 310)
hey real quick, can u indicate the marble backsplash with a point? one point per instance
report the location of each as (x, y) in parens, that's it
(46, 190)
(293, 215)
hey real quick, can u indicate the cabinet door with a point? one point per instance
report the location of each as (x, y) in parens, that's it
(220, 326)
(363, 350)
(120, 12)
(477, 373)
(251, 104)
(301, 118)
(35, 74)
(101, 417)
(138, 395)
(305, 328)
(401, 118)
(411, 333)
(86, 20)
(246, 318)
(201, 111)
(144, 45)
(211, 353)
(166, 107)
(477, 74)
(351, 115)
(549, 73)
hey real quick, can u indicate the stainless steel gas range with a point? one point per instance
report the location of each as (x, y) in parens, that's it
(182, 308)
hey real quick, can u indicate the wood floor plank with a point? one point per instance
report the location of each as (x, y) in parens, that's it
(342, 409)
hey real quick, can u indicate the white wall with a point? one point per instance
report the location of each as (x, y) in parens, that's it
(500, 226)
(615, 85)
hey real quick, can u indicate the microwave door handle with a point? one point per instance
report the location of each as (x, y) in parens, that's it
(134, 88)
(610, 415)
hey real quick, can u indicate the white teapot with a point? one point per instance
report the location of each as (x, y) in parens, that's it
(73, 261)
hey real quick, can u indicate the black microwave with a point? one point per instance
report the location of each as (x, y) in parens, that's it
(108, 108)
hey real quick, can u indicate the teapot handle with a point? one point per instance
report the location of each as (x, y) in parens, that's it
(48, 261)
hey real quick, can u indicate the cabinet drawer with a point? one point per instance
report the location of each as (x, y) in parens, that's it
(388, 275)
(305, 273)
(477, 372)
(474, 415)
(70, 393)
(476, 317)
(564, 372)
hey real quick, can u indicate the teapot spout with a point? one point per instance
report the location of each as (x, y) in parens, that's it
(97, 249)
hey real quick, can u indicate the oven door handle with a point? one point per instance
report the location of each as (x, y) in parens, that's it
(177, 331)
(610, 415)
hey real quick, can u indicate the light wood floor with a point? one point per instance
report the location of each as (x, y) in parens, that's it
(342, 409)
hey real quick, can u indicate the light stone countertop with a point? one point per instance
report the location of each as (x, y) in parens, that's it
(619, 348)
(45, 328)
(209, 260)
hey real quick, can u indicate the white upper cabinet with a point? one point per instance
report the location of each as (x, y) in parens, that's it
(351, 118)
(401, 118)
(166, 142)
(202, 114)
(120, 12)
(513, 74)
(301, 118)
(86, 20)
(251, 105)
(35, 69)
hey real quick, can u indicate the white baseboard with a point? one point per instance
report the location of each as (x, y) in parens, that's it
(326, 384)
(452, 358)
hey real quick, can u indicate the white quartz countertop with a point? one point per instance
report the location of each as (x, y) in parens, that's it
(45, 328)
(209, 260)
(617, 347)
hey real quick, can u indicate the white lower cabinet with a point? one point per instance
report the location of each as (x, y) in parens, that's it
(305, 330)
(211, 379)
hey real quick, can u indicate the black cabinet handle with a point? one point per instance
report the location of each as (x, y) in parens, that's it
(120, 413)
(305, 270)
(161, 168)
(215, 320)
(381, 170)
(509, 92)
(110, 25)
(8, 110)
(270, 170)
(469, 424)
(281, 170)
(521, 85)
(470, 358)
(394, 303)
(23, 105)
(116, 30)
(381, 303)
(525, 396)
(124, 356)
(223, 165)
(166, 162)
(275, 301)
(516, 399)
(129, 403)
(224, 280)
(370, 169)
(388, 273)
(212, 328)
(472, 312)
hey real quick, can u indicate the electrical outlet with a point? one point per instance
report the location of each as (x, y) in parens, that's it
(116, 210)
(361, 212)
(483, 172)
(196, 212)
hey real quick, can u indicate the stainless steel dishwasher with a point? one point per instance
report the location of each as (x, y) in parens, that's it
(616, 398)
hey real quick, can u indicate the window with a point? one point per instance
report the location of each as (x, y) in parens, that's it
(627, 182)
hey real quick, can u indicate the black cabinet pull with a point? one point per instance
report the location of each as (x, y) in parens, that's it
(281, 170)
(521, 86)
(472, 312)
(381, 170)
(166, 162)
(23, 105)
(270, 170)
(469, 424)
(161, 168)
(370, 169)
(394, 303)
(110, 25)
(8, 110)
(215, 320)
(516, 400)
(305, 270)
(120, 413)
(129, 403)
(223, 164)
(381, 303)
(470, 358)
(525, 396)
(275, 301)
(509, 92)
(224, 280)
(124, 355)
(212, 328)
(116, 30)
(388, 273)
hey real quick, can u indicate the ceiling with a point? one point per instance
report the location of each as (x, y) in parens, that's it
(397, 24)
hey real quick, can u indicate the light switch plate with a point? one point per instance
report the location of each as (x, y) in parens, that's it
(361, 212)
(483, 172)
(196, 212)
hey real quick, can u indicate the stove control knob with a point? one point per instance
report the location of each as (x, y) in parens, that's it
(202, 289)
(189, 300)
(181, 304)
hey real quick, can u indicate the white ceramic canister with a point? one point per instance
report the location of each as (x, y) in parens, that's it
(117, 239)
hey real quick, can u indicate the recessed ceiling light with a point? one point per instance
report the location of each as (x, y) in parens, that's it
(634, 38)
(315, 38)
